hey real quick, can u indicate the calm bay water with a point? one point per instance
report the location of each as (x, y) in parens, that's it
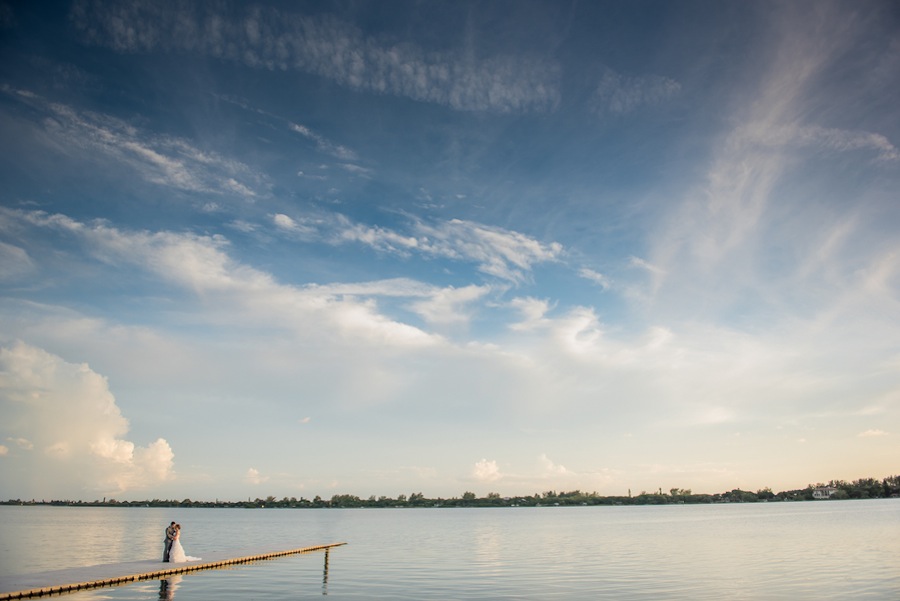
(821, 550)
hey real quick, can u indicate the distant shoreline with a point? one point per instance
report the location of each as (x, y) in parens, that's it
(864, 488)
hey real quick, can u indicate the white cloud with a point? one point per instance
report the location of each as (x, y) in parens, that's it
(596, 277)
(267, 38)
(532, 310)
(14, 261)
(762, 233)
(4, 450)
(548, 468)
(397, 287)
(66, 418)
(22, 443)
(289, 224)
(872, 433)
(817, 137)
(243, 226)
(621, 94)
(238, 188)
(254, 477)
(447, 306)
(486, 471)
(356, 169)
(284, 222)
(202, 265)
(645, 265)
(163, 160)
(377, 237)
(498, 252)
(323, 144)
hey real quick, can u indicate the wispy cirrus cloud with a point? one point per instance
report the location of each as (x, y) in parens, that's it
(822, 138)
(160, 159)
(595, 277)
(14, 261)
(268, 38)
(620, 94)
(323, 144)
(762, 230)
(500, 253)
(379, 238)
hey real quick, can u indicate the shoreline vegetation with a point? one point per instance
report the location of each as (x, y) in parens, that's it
(864, 488)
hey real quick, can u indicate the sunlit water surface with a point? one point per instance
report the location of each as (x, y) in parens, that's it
(821, 550)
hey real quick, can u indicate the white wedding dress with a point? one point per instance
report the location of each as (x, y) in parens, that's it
(177, 554)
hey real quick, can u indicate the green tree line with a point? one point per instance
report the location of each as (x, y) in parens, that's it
(863, 488)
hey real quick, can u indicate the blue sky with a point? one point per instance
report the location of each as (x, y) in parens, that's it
(377, 248)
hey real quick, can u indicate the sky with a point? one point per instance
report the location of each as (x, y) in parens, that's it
(291, 249)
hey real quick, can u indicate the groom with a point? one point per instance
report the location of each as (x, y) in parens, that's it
(170, 537)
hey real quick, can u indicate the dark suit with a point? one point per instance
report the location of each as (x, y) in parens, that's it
(170, 538)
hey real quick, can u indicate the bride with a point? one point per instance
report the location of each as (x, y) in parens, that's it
(177, 553)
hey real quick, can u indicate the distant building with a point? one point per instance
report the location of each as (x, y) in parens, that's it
(824, 492)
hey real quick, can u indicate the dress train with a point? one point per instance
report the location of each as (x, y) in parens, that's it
(177, 555)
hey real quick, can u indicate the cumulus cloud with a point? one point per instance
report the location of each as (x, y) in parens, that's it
(268, 38)
(547, 467)
(254, 477)
(486, 471)
(69, 429)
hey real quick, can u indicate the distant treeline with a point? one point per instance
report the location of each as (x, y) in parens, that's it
(864, 488)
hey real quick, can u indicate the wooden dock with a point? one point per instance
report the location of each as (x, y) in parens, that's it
(63, 581)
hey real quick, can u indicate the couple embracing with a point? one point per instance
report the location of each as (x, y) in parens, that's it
(173, 551)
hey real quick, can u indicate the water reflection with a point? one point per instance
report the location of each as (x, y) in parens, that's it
(325, 575)
(168, 586)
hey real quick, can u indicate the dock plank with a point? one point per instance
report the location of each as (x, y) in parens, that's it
(89, 577)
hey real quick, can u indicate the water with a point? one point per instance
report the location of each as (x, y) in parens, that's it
(822, 550)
